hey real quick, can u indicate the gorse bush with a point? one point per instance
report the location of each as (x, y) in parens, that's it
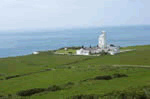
(14, 76)
(69, 83)
(84, 97)
(106, 77)
(114, 95)
(119, 75)
(109, 77)
(1, 96)
(30, 91)
(54, 88)
(51, 88)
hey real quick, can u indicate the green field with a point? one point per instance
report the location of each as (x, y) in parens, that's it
(76, 75)
(73, 51)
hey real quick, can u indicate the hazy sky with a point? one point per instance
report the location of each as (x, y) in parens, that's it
(32, 14)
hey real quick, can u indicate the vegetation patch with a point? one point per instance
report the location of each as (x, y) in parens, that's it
(1, 96)
(107, 77)
(119, 75)
(129, 93)
(125, 95)
(15, 76)
(52, 88)
(30, 91)
(84, 97)
(10, 77)
(68, 85)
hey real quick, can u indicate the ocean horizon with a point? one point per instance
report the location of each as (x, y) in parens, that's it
(25, 42)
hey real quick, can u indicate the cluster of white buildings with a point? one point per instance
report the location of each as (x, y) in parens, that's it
(102, 47)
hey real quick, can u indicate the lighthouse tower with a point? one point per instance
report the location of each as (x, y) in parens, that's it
(102, 42)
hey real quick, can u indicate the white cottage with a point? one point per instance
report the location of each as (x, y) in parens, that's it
(82, 52)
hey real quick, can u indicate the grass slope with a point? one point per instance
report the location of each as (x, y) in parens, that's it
(75, 69)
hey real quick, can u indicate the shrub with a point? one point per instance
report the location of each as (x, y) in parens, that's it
(9, 95)
(103, 53)
(70, 53)
(1, 96)
(70, 83)
(106, 77)
(54, 88)
(69, 67)
(84, 97)
(30, 91)
(119, 75)
(14, 76)
(48, 69)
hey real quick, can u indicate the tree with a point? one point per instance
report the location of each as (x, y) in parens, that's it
(90, 46)
(70, 53)
(103, 53)
(82, 46)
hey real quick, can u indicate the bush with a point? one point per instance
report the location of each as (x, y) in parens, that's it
(31, 91)
(103, 53)
(84, 97)
(119, 75)
(106, 77)
(129, 93)
(69, 67)
(48, 69)
(1, 96)
(14, 76)
(54, 88)
(70, 53)
(9, 95)
(70, 83)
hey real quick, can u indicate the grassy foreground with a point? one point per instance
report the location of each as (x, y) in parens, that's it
(50, 76)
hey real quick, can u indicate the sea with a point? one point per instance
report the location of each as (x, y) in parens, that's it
(18, 43)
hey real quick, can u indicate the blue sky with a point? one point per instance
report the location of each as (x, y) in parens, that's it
(53, 14)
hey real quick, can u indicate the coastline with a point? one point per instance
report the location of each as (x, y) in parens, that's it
(126, 47)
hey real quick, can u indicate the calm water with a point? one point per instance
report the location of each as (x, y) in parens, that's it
(22, 43)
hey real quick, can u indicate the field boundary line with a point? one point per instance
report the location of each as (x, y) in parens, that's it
(134, 65)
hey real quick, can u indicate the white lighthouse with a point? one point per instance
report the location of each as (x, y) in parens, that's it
(102, 41)
(102, 46)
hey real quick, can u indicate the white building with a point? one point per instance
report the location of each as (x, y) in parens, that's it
(82, 52)
(35, 53)
(102, 46)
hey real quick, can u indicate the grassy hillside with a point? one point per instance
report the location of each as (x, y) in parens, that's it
(76, 75)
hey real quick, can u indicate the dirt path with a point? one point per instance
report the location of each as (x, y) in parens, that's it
(133, 65)
(121, 51)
